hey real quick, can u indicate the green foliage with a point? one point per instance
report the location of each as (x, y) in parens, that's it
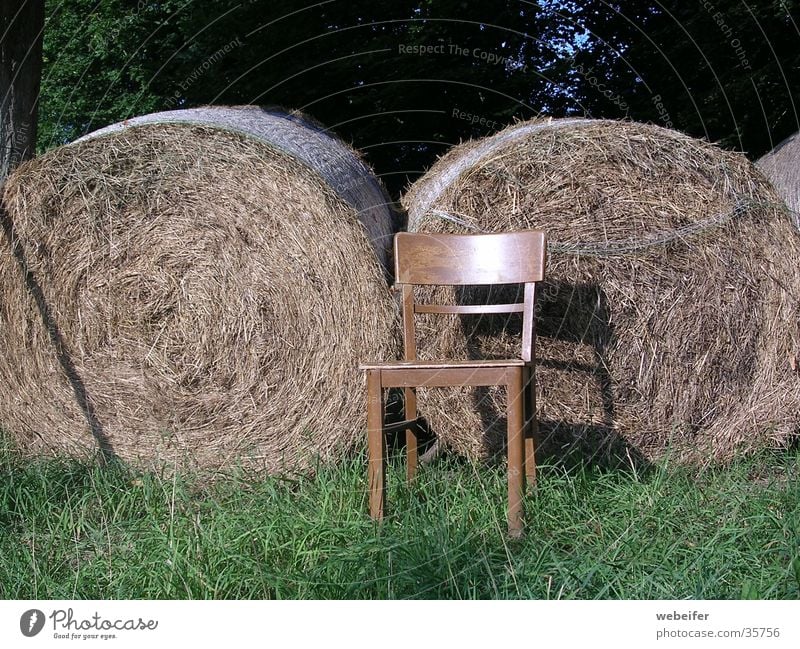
(99, 60)
(69, 530)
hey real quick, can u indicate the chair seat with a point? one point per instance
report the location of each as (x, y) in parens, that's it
(440, 365)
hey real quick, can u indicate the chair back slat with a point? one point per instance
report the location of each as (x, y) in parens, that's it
(467, 309)
(464, 259)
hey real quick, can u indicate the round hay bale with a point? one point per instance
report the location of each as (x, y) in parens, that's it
(669, 319)
(193, 297)
(307, 141)
(781, 166)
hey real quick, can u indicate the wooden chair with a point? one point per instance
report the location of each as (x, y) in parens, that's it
(459, 260)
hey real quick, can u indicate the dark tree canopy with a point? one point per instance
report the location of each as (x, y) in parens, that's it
(403, 80)
(726, 70)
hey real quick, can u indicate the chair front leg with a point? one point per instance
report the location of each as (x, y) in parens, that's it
(516, 450)
(376, 445)
(531, 425)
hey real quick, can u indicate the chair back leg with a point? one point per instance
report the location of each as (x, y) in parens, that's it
(411, 433)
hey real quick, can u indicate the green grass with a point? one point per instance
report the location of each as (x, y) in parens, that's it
(72, 530)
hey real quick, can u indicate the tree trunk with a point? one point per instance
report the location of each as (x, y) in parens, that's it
(21, 27)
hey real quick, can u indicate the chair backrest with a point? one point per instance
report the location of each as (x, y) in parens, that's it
(423, 258)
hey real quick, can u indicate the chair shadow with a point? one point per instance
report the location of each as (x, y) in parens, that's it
(570, 316)
(60, 347)
(573, 446)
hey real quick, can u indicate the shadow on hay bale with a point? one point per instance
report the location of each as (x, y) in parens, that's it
(193, 297)
(669, 320)
(781, 166)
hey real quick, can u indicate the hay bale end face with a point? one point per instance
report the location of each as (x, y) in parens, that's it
(781, 166)
(669, 322)
(306, 141)
(192, 297)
